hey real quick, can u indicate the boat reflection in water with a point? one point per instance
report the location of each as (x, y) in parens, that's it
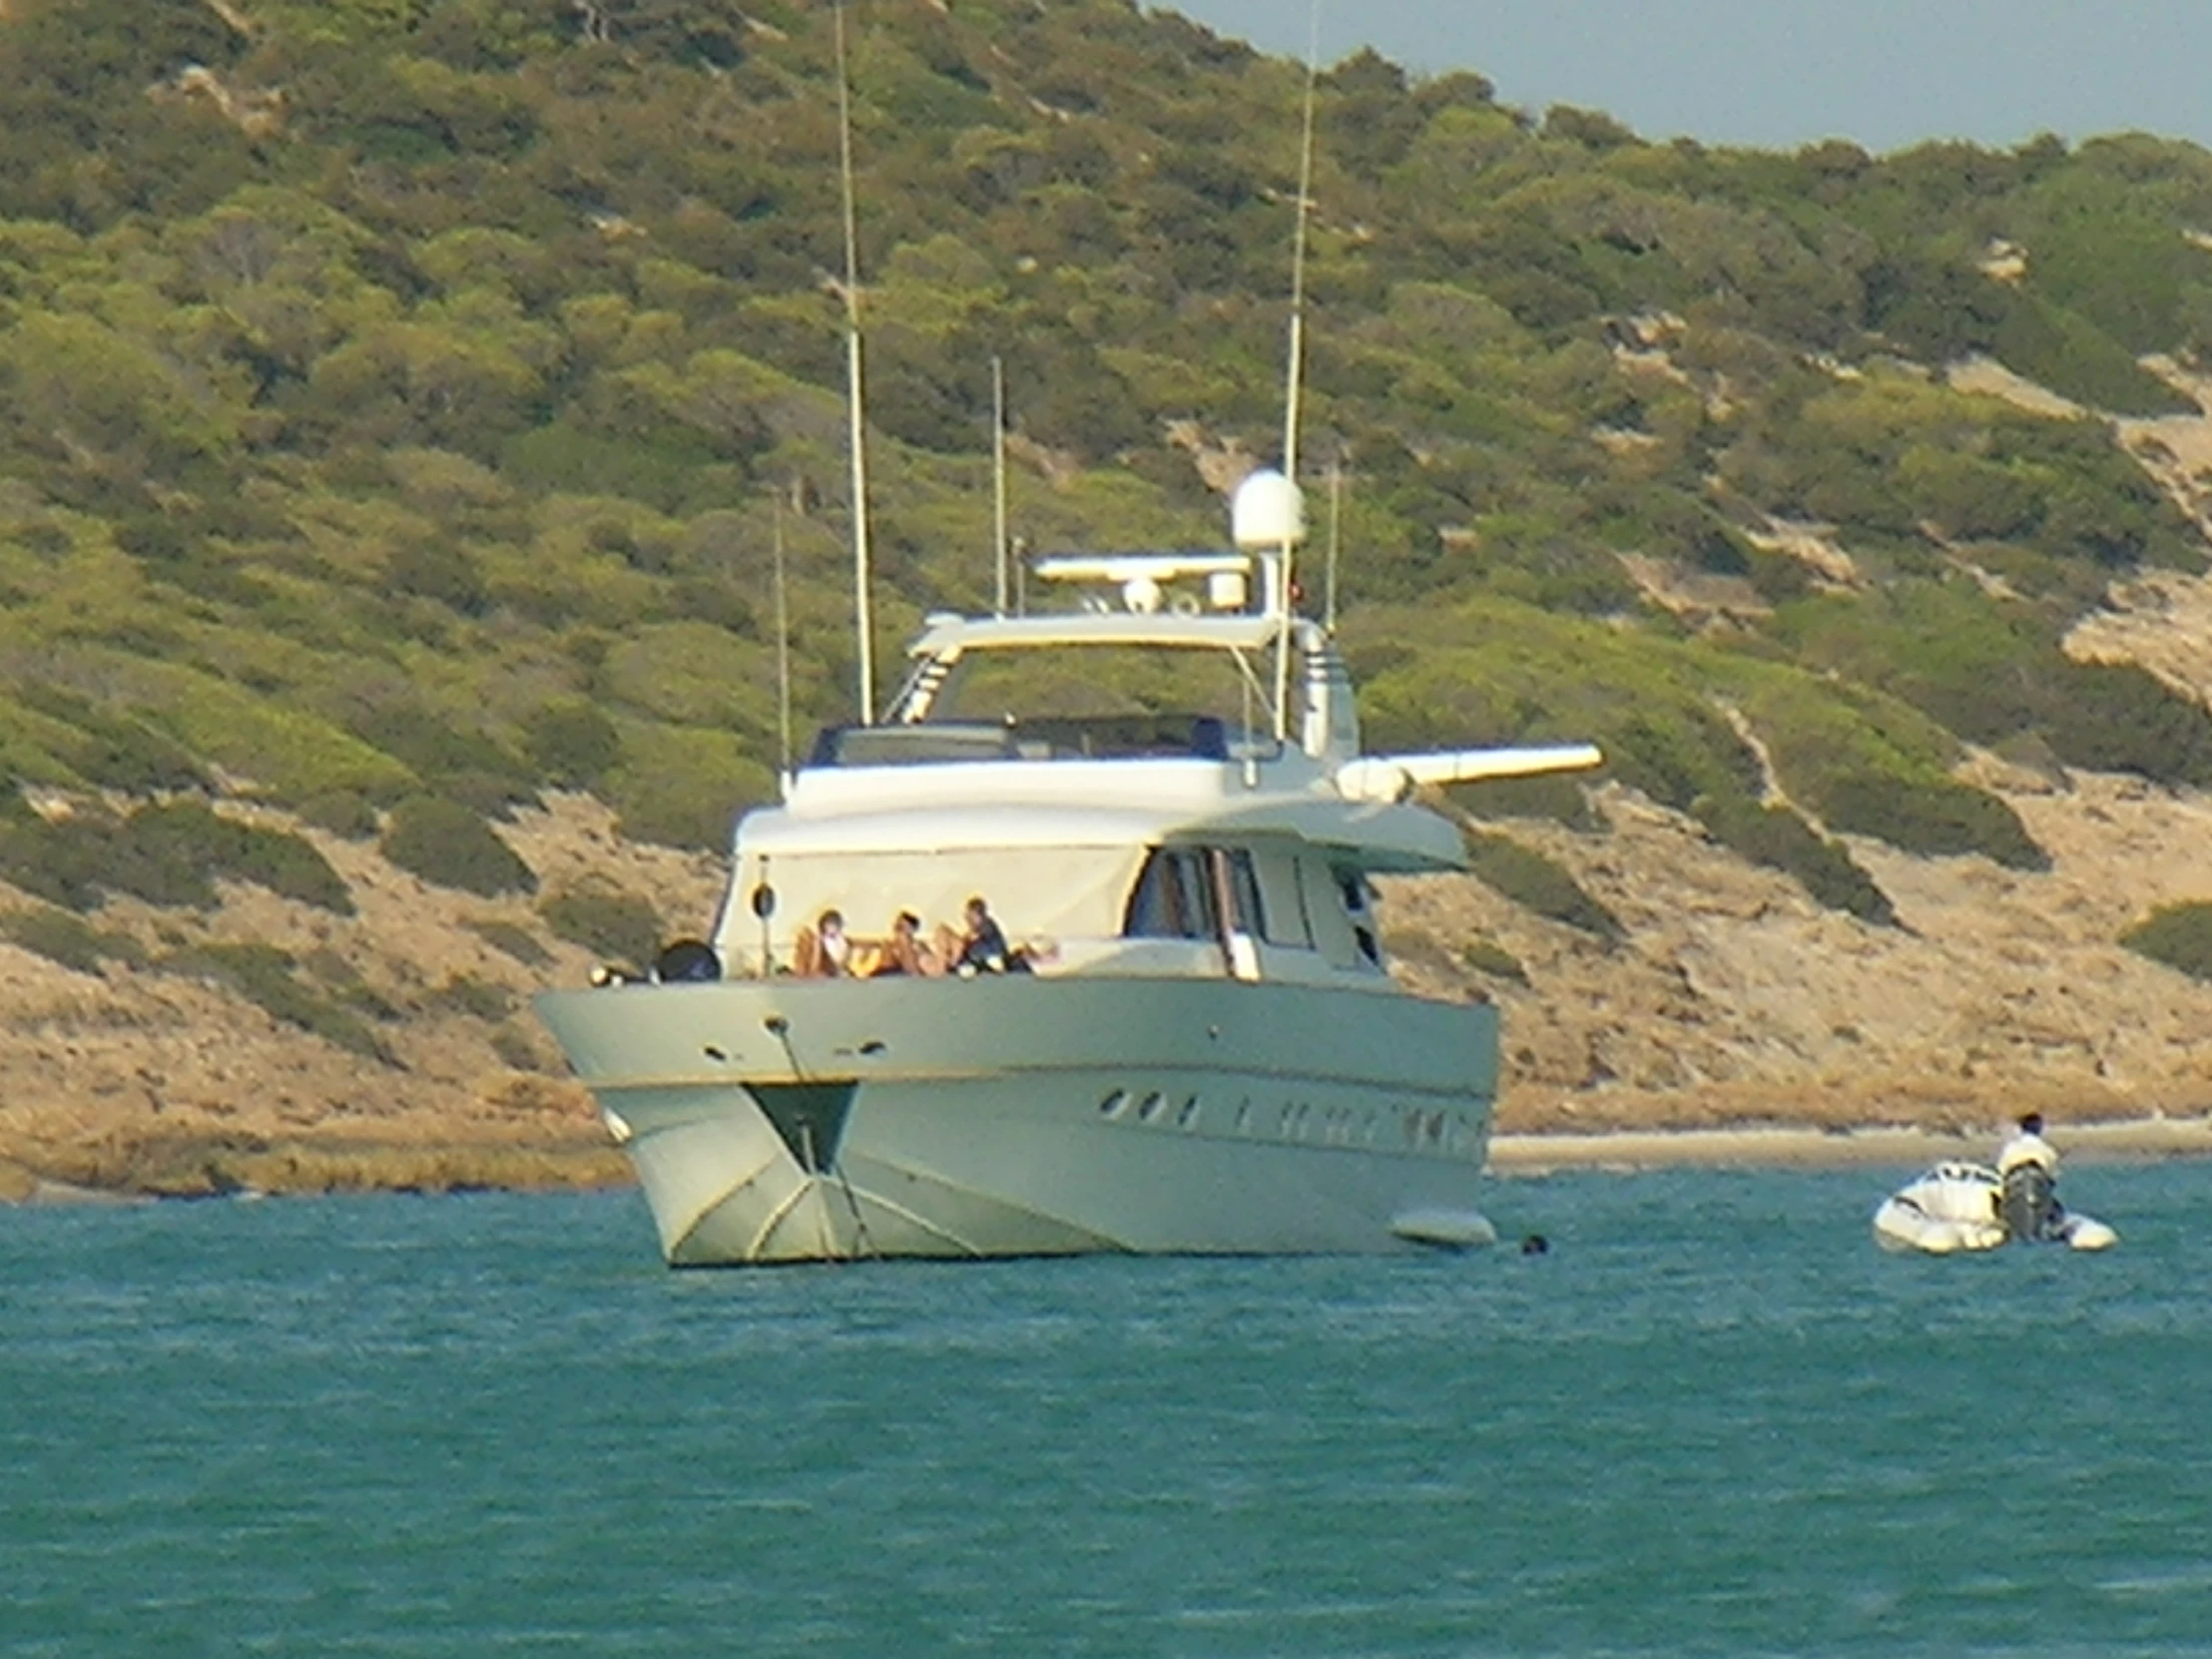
(1198, 1049)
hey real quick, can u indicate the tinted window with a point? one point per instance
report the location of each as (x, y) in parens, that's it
(1172, 898)
(1243, 891)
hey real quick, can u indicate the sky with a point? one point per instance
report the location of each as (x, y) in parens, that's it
(1777, 74)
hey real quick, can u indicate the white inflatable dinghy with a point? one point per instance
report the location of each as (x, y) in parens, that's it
(1958, 1205)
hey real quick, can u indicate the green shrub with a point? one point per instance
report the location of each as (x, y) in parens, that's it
(489, 795)
(1489, 956)
(450, 846)
(271, 740)
(2179, 935)
(1936, 817)
(183, 836)
(1535, 882)
(477, 998)
(1558, 798)
(618, 926)
(72, 861)
(1779, 838)
(2117, 716)
(288, 865)
(61, 938)
(571, 744)
(1776, 577)
(518, 942)
(684, 786)
(2071, 355)
(166, 854)
(342, 812)
(116, 751)
(522, 1051)
(442, 572)
(264, 976)
(1676, 753)
(433, 747)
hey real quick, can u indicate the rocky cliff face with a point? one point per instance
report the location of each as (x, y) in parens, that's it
(1736, 999)
(132, 1077)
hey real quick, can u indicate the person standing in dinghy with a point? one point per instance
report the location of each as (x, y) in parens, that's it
(2028, 1170)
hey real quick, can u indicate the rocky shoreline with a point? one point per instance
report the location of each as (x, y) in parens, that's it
(223, 1163)
(1768, 1145)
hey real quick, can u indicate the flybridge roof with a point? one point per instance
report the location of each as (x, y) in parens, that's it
(848, 817)
(941, 635)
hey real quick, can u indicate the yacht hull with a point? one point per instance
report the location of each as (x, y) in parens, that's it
(786, 1120)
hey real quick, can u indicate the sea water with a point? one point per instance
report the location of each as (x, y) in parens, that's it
(1712, 1419)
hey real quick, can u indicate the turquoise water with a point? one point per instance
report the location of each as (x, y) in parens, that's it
(1713, 1419)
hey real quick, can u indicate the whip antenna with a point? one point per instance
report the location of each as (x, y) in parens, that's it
(863, 620)
(1294, 373)
(999, 476)
(782, 657)
(1336, 535)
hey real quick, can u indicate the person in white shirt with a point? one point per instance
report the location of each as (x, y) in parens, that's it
(2027, 1168)
(2028, 1146)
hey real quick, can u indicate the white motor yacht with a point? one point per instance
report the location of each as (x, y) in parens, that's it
(1177, 1031)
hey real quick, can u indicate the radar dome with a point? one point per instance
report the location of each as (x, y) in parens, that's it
(1267, 511)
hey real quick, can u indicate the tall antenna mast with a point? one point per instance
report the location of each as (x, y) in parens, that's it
(1335, 534)
(1296, 371)
(998, 477)
(862, 618)
(1295, 375)
(783, 657)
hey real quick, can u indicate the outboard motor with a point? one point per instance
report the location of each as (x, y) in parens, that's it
(2027, 1205)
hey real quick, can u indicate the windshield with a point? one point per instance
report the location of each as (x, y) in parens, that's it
(1106, 682)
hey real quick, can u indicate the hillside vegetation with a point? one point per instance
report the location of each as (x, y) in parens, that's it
(401, 403)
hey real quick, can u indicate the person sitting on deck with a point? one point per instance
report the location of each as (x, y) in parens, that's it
(906, 952)
(822, 951)
(982, 949)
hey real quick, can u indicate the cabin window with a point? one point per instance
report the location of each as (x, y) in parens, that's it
(1359, 911)
(1284, 919)
(1173, 900)
(1244, 895)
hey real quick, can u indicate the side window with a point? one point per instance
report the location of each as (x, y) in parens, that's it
(1244, 892)
(1195, 881)
(1352, 885)
(1172, 899)
(1155, 906)
(1283, 918)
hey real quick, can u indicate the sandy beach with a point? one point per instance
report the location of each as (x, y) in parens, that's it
(219, 1165)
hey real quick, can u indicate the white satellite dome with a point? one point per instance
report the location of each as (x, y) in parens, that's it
(1267, 511)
